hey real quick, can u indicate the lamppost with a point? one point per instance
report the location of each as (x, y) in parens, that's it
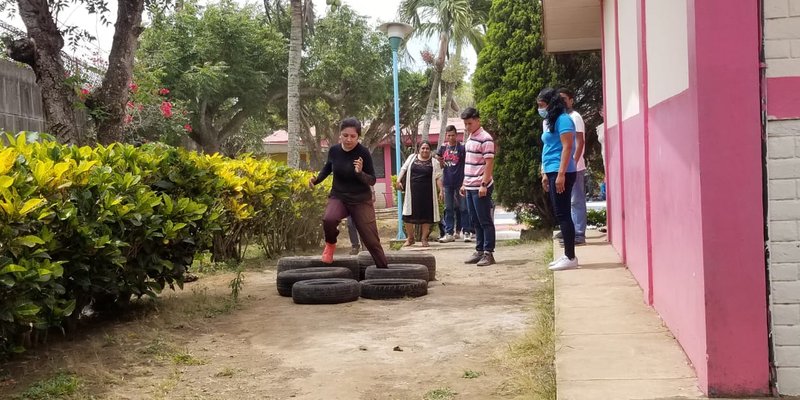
(397, 31)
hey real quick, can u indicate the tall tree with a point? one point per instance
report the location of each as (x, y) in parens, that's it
(41, 49)
(225, 62)
(511, 71)
(454, 22)
(452, 76)
(299, 20)
(348, 73)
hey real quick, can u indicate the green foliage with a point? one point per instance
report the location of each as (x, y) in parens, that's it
(82, 225)
(349, 59)
(511, 71)
(152, 113)
(596, 217)
(61, 386)
(236, 285)
(347, 72)
(440, 394)
(470, 374)
(223, 61)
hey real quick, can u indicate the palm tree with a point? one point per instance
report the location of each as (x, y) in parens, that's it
(456, 22)
(300, 20)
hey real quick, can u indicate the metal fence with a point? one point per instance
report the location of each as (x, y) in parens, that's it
(20, 99)
(20, 96)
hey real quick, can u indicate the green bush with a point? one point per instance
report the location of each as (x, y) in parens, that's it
(596, 217)
(81, 226)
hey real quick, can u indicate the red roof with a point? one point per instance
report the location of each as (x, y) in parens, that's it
(282, 137)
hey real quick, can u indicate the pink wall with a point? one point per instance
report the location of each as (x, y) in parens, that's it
(784, 97)
(685, 190)
(727, 67)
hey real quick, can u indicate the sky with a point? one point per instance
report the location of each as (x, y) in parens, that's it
(376, 11)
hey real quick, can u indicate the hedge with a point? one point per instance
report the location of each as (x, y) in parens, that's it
(82, 225)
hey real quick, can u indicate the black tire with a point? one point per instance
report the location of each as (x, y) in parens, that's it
(398, 257)
(326, 291)
(398, 271)
(287, 279)
(379, 289)
(290, 263)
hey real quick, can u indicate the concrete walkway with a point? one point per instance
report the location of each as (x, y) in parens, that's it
(609, 343)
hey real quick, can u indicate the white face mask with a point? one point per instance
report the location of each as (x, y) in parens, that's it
(542, 112)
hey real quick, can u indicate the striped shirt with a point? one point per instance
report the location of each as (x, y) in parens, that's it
(480, 147)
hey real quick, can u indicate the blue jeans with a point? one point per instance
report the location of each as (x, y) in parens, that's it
(579, 206)
(456, 215)
(465, 224)
(480, 210)
(561, 209)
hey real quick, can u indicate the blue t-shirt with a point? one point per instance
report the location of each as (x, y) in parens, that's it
(551, 152)
(452, 164)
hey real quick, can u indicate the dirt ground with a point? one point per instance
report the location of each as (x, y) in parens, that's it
(187, 345)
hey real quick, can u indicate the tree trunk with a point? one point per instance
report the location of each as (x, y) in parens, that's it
(438, 67)
(207, 136)
(293, 81)
(113, 93)
(426, 121)
(42, 51)
(446, 111)
(451, 87)
(207, 141)
(313, 145)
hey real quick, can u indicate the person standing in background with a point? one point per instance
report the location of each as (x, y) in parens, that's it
(558, 169)
(451, 157)
(478, 187)
(579, 189)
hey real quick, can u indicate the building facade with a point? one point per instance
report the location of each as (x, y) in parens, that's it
(702, 155)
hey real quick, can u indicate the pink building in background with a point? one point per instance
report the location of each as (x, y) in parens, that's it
(702, 156)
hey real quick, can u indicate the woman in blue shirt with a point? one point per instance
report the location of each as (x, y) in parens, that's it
(559, 169)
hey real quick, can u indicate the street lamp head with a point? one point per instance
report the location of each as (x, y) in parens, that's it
(396, 29)
(397, 32)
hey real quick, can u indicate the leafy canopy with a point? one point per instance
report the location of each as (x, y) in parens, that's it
(511, 71)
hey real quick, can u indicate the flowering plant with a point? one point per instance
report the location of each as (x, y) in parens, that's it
(152, 114)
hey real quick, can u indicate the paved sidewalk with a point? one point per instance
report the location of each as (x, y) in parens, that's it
(609, 343)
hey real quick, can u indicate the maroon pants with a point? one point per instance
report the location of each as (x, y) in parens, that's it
(363, 215)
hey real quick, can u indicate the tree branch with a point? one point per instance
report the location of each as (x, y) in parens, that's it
(235, 123)
(20, 50)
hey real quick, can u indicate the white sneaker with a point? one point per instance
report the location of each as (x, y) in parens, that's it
(468, 237)
(554, 262)
(565, 263)
(447, 239)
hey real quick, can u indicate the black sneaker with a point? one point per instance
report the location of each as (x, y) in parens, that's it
(474, 258)
(486, 260)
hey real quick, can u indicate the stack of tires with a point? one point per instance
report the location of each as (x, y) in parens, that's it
(308, 281)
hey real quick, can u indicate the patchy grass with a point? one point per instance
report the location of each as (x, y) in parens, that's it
(226, 372)
(440, 394)
(470, 374)
(169, 383)
(62, 386)
(531, 359)
(163, 350)
(150, 336)
(515, 242)
(185, 358)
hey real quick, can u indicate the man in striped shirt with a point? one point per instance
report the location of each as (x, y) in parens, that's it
(478, 187)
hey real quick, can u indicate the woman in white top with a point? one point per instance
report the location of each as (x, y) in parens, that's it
(420, 177)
